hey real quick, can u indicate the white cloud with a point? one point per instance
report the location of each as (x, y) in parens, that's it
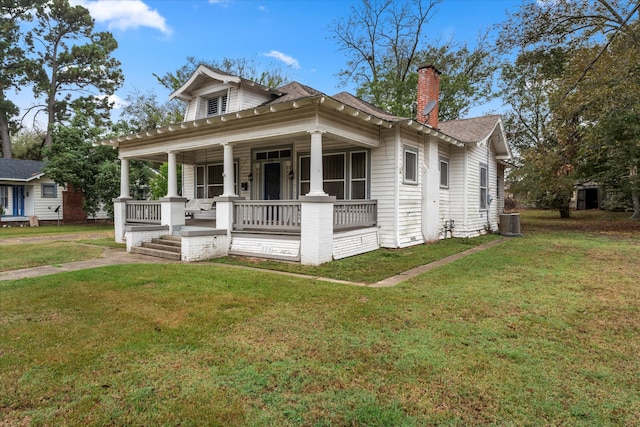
(290, 61)
(118, 103)
(124, 15)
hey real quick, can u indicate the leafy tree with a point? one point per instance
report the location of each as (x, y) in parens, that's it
(597, 87)
(270, 76)
(73, 68)
(73, 161)
(383, 41)
(544, 171)
(13, 64)
(143, 111)
(27, 145)
(159, 183)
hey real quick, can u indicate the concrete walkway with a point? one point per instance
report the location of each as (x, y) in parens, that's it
(116, 256)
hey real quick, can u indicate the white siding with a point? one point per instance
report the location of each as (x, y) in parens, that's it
(410, 195)
(188, 181)
(41, 205)
(384, 181)
(445, 200)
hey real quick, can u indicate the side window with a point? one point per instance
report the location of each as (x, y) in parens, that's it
(49, 191)
(484, 180)
(444, 172)
(410, 164)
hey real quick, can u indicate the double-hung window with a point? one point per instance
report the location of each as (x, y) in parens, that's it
(345, 175)
(484, 186)
(4, 196)
(216, 105)
(49, 191)
(359, 175)
(410, 164)
(444, 172)
(210, 180)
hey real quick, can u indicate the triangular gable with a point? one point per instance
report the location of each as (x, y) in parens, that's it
(479, 130)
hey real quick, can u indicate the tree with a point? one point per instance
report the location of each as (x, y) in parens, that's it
(13, 64)
(544, 171)
(143, 111)
(73, 160)
(598, 86)
(27, 145)
(73, 68)
(383, 41)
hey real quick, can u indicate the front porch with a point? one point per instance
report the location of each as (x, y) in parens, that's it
(258, 228)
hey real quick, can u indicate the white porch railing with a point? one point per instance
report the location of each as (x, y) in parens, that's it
(144, 211)
(354, 214)
(267, 215)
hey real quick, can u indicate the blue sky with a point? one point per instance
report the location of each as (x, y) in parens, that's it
(156, 36)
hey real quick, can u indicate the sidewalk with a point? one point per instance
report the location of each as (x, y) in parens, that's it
(113, 256)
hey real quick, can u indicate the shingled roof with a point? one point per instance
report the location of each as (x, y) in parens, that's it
(470, 130)
(20, 170)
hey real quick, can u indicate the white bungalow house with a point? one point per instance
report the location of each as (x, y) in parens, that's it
(294, 174)
(25, 192)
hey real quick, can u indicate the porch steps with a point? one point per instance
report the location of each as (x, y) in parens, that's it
(168, 247)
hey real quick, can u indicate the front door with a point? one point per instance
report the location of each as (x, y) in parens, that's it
(18, 200)
(272, 181)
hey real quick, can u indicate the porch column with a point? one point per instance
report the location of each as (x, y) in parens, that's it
(228, 176)
(120, 203)
(316, 178)
(172, 206)
(124, 178)
(172, 179)
(224, 203)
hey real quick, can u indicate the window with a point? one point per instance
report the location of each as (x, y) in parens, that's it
(216, 105)
(484, 180)
(4, 196)
(410, 165)
(444, 172)
(210, 182)
(359, 175)
(49, 191)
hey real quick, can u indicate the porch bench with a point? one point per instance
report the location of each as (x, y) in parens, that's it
(201, 209)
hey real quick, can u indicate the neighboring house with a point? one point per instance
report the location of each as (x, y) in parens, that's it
(292, 173)
(25, 191)
(586, 196)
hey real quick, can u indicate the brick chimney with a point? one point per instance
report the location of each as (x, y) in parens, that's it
(428, 90)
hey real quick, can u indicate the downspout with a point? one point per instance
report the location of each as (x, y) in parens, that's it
(465, 192)
(396, 201)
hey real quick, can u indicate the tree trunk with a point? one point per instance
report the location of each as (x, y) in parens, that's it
(565, 212)
(4, 136)
(635, 197)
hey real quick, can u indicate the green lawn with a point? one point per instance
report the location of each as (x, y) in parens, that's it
(540, 330)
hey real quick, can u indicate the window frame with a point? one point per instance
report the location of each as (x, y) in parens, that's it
(483, 189)
(221, 104)
(416, 153)
(444, 161)
(43, 193)
(4, 197)
(205, 185)
(348, 172)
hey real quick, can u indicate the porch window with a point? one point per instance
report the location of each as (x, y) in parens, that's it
(359, 175)
(410, 165)
(216, 105)
(444, 172)
(210, 182)
(49, 191)
(345, 175)
(4, 196)
(484, 180)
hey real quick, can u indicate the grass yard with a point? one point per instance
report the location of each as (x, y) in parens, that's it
(541, 330)
(24, 248)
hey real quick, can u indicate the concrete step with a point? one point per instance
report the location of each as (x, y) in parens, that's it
(171, 238)
(162, 247)
(156, 253)
(167, 242)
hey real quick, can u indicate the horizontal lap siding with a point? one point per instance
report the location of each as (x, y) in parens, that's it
(410, 205)
(445, 201)
(479, 220)
(383, 181)
(457, 189)
(41, 205)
